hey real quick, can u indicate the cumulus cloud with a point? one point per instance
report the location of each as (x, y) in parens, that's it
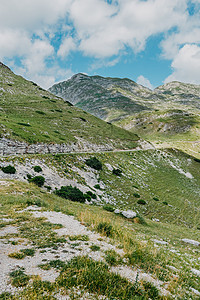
(144, 81)
(186, 65)
(66, 47)
(113, 27)
(96, 28)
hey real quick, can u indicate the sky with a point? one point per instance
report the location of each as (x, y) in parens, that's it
(149, 41)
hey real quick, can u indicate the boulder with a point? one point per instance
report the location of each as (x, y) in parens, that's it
(129, 214)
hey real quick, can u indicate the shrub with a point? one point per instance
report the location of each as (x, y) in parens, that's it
(117, 172)
(37, 169)
(29, 176)
(142, 202)
(197, 160)
(19, 278)
(97, 186)
(40, 112)
(94, 163)
(71, 193)
(48, 187)
(165, 202)
(136, 195)
(83, 119)
(105, 228)
(84, 238)
(24, 124)
(155, 198)
(38, 180)
(87, 197)
(108, 207)
(95, 248)
(9, 169)
(92, 195)
(112, 258)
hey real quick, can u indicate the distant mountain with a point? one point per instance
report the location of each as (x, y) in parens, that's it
(171, 110)
(107, 98)
(31, 115)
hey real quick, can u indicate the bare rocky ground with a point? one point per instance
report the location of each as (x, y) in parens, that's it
(10, 243)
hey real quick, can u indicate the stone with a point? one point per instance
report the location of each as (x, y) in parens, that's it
(117, 211)
(192, 242)
(196, 272)
(129, 214)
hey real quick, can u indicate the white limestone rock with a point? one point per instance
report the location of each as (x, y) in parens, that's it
(192, 242)
(129, 214)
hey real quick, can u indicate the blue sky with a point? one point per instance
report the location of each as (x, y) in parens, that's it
(149, 41)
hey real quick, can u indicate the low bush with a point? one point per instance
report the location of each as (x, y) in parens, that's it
(136, 195)
(92, 195)
(24, 124)
(87, 197)
(112, 258)
(94, 163)
(71, 193)
(108, 207)
(37, 169)
(97, 186)
(165, 202)
(9, 169)
(95, 248)
(117, 172)
(197, 160)
(155, 198)
(84, 238)
(38, 180)
(19, 278)
(48, 187)
(40, 112)
(105, 228)
(142, 202)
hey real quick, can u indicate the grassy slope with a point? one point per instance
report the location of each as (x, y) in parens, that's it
(31, 114)
(151, 114)
(167, 128)
(171, 176)
(135, 239)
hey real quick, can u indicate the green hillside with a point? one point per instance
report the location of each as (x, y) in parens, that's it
(29, 113)
(91, 223)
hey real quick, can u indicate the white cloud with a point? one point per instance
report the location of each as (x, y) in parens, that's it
(28, 29)
(109, 29)
(186, 65)
(31, 14)
(66, 47)
(144, 81)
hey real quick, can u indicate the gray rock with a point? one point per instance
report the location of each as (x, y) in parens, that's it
(117, 211)
(196, 272)
(192, 242)
(129, 214)
(13, 147)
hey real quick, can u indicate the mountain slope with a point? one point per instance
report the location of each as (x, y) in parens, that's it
(107, 98)
(30, 115)
(168, 113)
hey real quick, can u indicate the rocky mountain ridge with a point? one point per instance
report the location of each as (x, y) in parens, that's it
(113, 99)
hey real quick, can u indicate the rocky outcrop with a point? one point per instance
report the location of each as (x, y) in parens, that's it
(13, 147)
